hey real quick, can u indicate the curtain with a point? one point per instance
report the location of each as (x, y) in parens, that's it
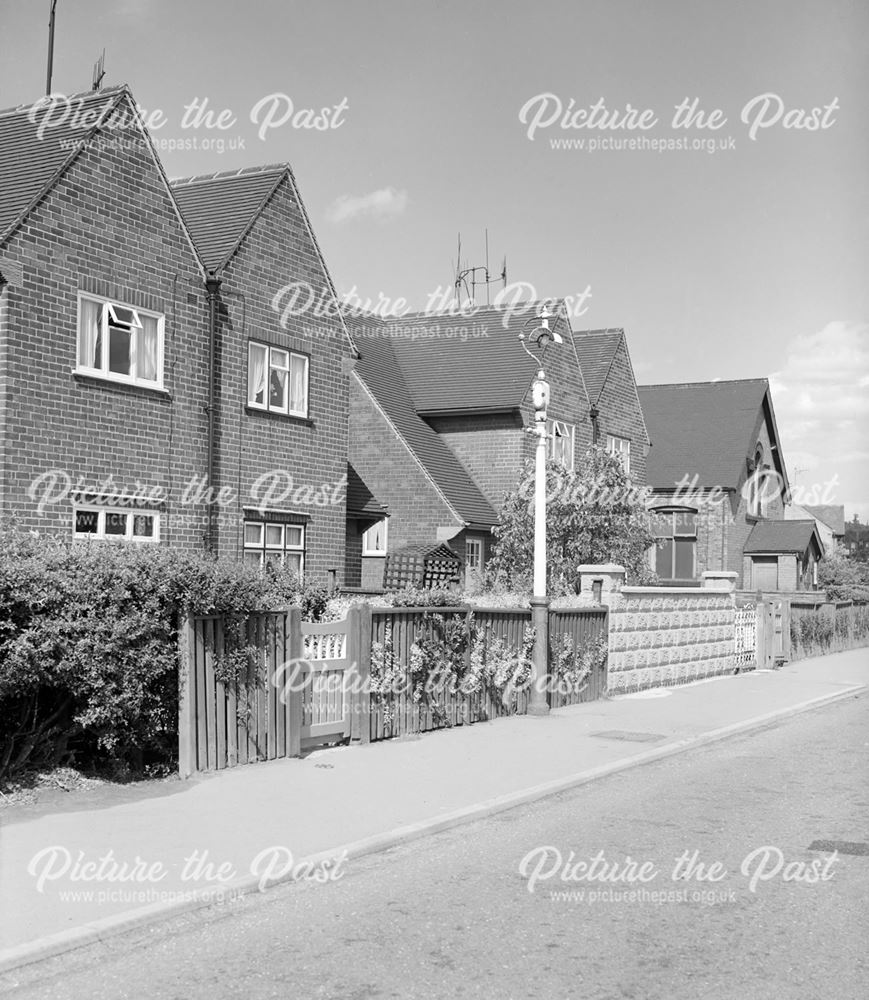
(90, 334)
(256, 386)
(298, 384)
(146, 366)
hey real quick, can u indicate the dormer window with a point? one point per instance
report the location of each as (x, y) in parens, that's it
(119, 342)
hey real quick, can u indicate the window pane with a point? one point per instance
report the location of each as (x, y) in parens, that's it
(299, 385)
(684, 559)
(685, 523)
(116, 524)
(278, 389)
(90, 339)
(293, 562)
(86, 522)
(280, 359)
(143, 526)
(664, 559)
(275, 536)
(294, 536)
(256, 376)
(120, 342)
(253, 558)
(124, 315)
(146, 352)
(661, 525)
(253, 534)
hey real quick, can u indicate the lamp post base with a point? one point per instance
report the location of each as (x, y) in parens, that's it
(538, 703)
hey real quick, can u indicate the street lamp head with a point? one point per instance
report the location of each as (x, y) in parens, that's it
(541, 337)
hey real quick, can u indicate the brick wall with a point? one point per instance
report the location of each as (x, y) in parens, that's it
(620, 412)
(489, 446)
(302, 463)
(109, 227)
(394, 476)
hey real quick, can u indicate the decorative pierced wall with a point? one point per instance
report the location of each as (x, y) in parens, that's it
(669, 638)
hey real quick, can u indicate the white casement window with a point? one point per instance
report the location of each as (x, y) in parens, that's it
(474, 554)
(119, 342)
(277, 380)
(561, 443)
(374, 540)
(280, 544)
(116, 525)
(621, 448)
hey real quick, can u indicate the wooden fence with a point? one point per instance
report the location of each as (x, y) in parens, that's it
(270, 685)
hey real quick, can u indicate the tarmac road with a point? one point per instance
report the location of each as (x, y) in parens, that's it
(452, 916)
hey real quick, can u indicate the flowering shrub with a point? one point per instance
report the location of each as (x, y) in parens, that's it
(496, 668)
(572, 668)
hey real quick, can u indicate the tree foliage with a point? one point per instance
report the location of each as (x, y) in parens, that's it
(594, 514)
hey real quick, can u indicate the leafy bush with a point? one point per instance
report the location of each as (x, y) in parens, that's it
(88, 645)
(594, 514)
(843, 578)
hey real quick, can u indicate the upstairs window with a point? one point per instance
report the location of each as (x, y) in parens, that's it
(119, 343)
(277, 380)
(374, 539)
(757, 485)
(674, 556)
(621, 448)
(561, 443)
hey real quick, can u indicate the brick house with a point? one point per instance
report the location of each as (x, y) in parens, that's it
(829, 519)
(143, 370)
(281, 377)
(718, 484)
(103, 331)
(440, 415)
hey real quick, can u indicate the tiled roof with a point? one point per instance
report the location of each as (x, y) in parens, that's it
(220, 208)
(702, 429)
(467, 362)
(781, 537)
(29, 162)
(379, 370)
(832, 514)
(596, 350)
(360, 499)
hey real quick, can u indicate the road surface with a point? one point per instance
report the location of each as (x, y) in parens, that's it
(452, 915)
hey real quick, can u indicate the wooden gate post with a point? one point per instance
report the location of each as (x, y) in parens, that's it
(187, 763)
(294, 652)
(359, 636)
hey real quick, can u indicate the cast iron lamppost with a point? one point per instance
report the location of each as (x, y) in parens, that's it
(540, 338)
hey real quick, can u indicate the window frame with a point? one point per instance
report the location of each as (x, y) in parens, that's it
(674, 536)
(263, 547)
(369, 550)
(131, 513)
(613, 447)
(266, 406)
(107, 306)
(477, 543)
(567, 431)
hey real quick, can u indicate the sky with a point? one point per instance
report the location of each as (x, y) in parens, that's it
(409, 122)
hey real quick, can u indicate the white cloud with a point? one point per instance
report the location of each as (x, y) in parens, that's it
(822, 409)
(386, 203)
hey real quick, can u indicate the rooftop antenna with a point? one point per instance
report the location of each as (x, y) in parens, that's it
(463, 274)
(50, 68)
(99, 71)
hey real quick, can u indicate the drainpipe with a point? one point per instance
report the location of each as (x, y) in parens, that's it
(212, 287)
(594, 413)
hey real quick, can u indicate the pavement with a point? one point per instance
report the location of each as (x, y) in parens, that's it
(75, 877)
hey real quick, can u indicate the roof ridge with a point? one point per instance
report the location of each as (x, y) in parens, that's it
(685, 385)
(17, 109)
(600, 333)
(265, 168)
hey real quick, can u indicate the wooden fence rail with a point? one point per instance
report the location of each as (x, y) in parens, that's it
(270, 685)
